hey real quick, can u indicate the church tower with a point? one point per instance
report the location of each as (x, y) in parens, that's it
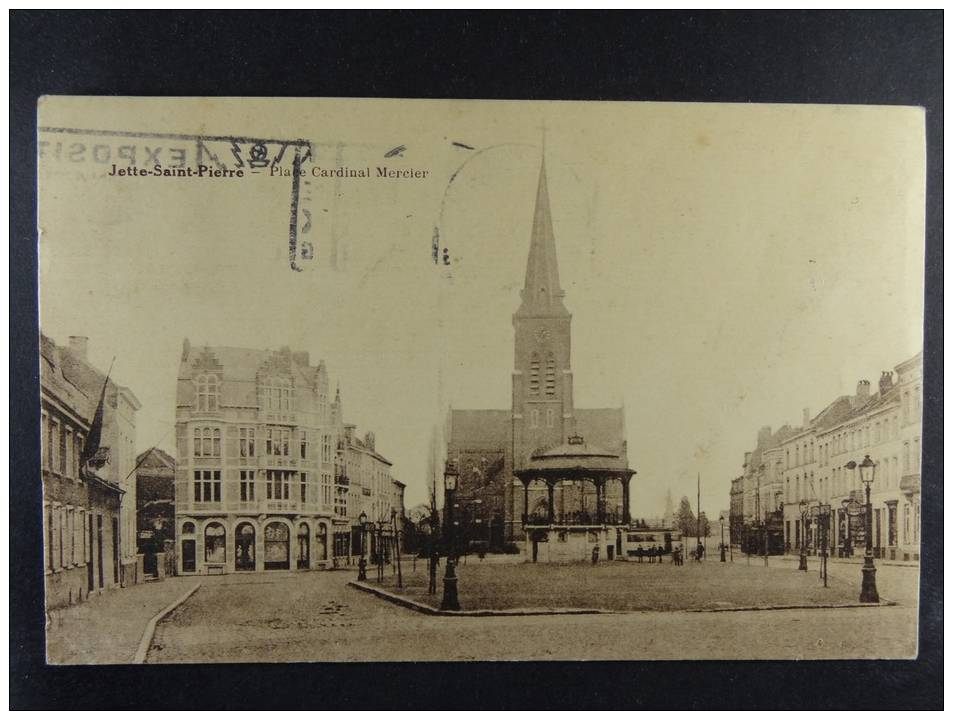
(542, 376)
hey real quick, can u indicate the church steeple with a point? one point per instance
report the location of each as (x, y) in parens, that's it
(541, 294)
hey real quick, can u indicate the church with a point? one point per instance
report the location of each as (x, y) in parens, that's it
(542, 463)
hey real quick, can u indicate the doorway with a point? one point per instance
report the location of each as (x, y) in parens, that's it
(245, 547)
(99, 548)
(277, 547)
(90, 579)
(304, 547)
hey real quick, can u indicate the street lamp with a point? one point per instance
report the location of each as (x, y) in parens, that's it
(802, 564)
(721, 522)
(362, 564)
(450, 600)
(868, 586)
(825, 513)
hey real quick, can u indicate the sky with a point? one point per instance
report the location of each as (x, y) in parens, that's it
(726, 266)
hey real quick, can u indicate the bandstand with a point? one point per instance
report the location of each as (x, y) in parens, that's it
(573, 535)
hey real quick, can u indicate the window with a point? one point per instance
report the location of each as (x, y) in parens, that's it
(304, 487)
(207, 442)
(79, 452)
(215, 543)
(325, 448)
(277, 485)
(68, 453)
(916, 456)
(206, 387)
(534, 375)
(906, 457)
(304, 444)
(278, 442)
(246, 441)
(207, 486)
(534, 419)
(188, 529)
(550, 378)
(44, 443)
(276, 394)
(550, 418)
(246, 485)
(54, 444)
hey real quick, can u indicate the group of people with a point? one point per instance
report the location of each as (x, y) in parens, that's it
(655, 554)
(650, 553)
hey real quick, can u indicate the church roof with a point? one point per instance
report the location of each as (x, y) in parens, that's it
(542, 294)
(480, 429)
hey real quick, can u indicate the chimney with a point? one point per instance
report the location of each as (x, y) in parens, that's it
(186, 349)
(349, 433)
(79, 344)
(807, 417)
(369, 440)
(886, 381)
(863, 389)
(747, 459)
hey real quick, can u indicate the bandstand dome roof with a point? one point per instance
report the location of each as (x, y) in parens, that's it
(574, 455)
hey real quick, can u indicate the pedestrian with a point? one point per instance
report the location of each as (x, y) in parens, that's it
(661, 554)
(595, 554)
(639, 553)
(699, 552)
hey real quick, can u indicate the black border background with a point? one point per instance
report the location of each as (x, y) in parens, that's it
(800, 56)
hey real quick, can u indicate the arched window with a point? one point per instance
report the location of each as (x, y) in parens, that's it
(206, 387)
(215, 543)
(534, 419)
(245, 547)
(188, 529)
(304, 546)
(276, 546)
(550, 418)
(551, 377)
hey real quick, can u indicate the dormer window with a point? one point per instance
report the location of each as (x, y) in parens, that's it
(206, 389)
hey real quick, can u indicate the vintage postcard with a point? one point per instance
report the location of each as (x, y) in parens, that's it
(354, 380)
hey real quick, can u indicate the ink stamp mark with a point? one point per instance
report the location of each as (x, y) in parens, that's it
(151, 153)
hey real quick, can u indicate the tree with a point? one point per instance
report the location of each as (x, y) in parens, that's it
(685, 518)
(705, 525)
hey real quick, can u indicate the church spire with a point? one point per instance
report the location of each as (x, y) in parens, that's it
(541, 293)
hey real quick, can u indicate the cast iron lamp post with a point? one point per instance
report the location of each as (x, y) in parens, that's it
(802, 564)
(450, 600)
(362, 564)
(868, 586)
(825, 511)
(721, 520)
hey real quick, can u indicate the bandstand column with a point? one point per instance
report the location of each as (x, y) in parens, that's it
(626, 518)
(550, 485)
(525, 501)
(600, 501)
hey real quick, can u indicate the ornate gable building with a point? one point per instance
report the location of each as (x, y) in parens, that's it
(489, 446)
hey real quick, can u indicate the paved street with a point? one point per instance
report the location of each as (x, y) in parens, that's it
(317, 617)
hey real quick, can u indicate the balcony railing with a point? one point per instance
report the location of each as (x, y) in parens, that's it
(341, 480)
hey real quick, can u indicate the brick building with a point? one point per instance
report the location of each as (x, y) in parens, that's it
(81, 510)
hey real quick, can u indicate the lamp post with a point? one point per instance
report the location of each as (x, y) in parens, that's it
(825, 515)
(802, 563)
(362, 564)
(868, 586)
(450, 600)
(721, 520)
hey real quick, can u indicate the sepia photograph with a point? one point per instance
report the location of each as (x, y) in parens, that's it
(353, 380)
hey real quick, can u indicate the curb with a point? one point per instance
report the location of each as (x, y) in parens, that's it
(146, 642)
(430, 610)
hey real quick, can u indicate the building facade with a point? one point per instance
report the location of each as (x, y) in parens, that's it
(81, 510)
(488, 446)
(815, 466)
(155, 511)
(268, 477)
